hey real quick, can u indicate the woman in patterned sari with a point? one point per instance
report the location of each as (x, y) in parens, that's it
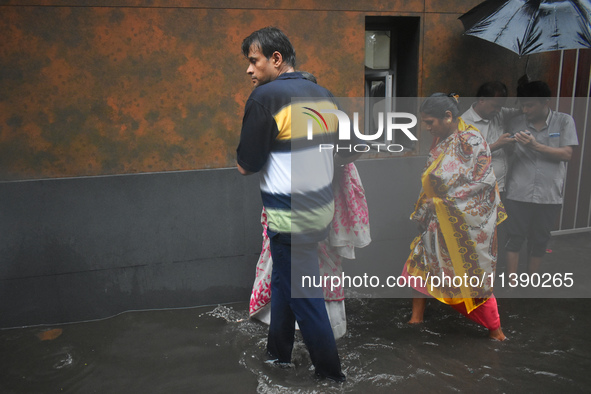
(457, 213)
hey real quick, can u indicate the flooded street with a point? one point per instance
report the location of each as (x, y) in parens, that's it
(217, 349)
(210, 350)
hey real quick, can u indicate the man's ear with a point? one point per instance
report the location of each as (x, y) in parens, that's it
(277, 59)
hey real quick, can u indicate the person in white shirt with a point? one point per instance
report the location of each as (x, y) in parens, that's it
(490, 116)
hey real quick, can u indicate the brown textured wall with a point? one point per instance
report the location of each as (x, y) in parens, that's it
(91, 91)
(146, 86)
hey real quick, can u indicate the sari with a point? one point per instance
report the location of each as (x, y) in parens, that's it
(349, 230)
(458, 237)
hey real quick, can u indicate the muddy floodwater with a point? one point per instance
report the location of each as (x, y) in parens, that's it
(216, 349)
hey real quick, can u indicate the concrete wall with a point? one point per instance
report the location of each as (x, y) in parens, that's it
(86, 248)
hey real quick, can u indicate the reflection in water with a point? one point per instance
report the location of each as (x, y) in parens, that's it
(217, 349)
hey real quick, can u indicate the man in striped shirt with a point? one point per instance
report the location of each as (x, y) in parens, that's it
(295, 181)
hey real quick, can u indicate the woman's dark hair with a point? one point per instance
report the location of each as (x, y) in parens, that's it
(439, 103)
(269, 40)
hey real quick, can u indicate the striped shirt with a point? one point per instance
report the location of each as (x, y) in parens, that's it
(295, 175)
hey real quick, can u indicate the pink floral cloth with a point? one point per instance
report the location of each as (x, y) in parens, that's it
(349, 230)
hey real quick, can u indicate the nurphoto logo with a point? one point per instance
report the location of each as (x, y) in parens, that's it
(345, 129)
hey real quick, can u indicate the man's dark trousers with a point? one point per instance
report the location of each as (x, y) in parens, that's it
(307, 308)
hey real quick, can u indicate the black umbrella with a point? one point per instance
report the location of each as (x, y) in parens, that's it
(531, 26)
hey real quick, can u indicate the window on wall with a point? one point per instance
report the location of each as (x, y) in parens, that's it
(391, 72)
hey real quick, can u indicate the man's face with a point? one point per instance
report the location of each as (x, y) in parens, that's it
(260, 69)
(489, 107)
(534, 109)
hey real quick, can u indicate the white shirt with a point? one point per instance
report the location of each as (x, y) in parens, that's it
(491, 130)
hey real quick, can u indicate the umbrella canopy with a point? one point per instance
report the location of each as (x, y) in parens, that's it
(531, 26)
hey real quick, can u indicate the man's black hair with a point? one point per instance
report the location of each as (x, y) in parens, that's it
(269, 40)
(492, 89)
(536, 89)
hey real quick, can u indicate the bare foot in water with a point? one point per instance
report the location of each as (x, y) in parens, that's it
(497, 334)
(418, 310)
